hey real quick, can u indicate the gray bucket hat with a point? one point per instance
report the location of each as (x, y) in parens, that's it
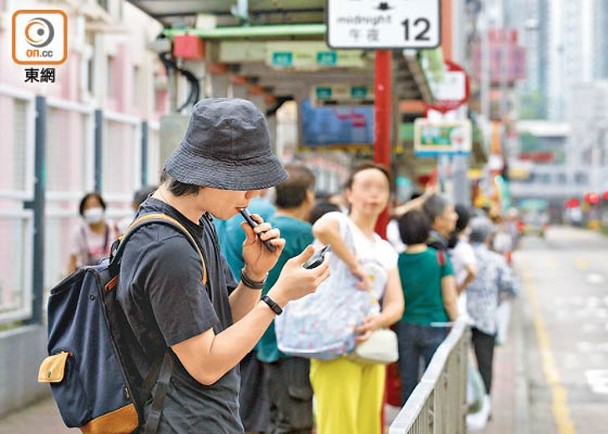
(226, 146)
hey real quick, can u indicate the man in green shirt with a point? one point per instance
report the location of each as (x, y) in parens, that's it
(287, 377)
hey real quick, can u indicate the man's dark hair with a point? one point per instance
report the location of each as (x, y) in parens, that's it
(464, 215)
(435, 206)
(369, 165)
(414, 227)
(176, 187)
(320, 209)
(142, 194)
(83, 201)
(291, 193)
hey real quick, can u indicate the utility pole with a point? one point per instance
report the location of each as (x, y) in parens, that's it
(383, 93)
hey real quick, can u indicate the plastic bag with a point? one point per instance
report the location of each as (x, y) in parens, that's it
(322, 325)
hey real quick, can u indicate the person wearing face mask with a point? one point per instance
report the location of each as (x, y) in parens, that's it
(92, 239)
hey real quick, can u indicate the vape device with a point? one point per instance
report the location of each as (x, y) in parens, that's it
(247, 216)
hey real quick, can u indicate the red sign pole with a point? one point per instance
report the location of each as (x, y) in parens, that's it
(383, 94)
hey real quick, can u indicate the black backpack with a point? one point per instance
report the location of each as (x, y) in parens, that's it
(93, 387)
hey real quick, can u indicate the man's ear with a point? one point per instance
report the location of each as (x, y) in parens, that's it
(310, 196)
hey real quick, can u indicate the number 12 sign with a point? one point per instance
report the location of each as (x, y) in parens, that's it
(378, 24)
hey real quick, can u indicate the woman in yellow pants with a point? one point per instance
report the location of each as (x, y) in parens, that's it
(348, 394)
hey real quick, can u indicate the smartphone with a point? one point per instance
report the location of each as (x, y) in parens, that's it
(247, 216)
(318, 258)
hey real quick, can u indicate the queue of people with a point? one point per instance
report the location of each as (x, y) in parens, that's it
(229, 374)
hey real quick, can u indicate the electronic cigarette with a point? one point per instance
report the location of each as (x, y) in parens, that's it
(247, 216)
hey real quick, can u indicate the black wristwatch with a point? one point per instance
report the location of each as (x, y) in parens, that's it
(272, 304)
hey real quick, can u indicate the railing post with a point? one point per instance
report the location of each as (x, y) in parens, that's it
(438, 404)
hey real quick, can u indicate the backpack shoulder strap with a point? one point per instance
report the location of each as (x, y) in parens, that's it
(441, 257)
(163, 219)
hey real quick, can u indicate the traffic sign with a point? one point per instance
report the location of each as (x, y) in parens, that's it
(383, 24)
(436, 137)
(452, 91)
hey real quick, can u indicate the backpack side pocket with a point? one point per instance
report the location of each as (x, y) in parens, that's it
(61, 372)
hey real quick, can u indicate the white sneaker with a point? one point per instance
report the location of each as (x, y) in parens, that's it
(478, 421)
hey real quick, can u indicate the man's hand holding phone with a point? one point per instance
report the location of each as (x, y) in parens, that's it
(318, 257)
(296, 281)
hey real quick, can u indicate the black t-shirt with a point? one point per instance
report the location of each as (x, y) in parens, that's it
(162, 294)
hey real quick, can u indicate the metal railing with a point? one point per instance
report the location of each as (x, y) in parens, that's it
(438, 403)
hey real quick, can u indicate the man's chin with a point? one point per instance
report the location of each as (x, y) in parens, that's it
(225, 215)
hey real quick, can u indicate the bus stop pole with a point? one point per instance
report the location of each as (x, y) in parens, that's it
(383, 116)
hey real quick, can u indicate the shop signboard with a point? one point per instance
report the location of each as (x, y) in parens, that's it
(344, 126)
(438, 137)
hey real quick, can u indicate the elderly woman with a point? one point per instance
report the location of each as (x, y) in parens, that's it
(440, 211)
(493, 282)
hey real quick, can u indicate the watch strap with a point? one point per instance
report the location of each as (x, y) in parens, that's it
(272, 304)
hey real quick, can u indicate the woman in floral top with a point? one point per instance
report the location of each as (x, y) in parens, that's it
(494, 280)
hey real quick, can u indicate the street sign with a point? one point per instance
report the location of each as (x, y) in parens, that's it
(282, 58)
(378, 24)
(341, 93)
(327, 58)
(437, 137)
(452, 90)
(309, 56)
(323, 93)
(358, 92)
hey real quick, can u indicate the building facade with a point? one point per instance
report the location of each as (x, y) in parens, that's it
(100, 106)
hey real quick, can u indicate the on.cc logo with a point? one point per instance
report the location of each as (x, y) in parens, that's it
(40, 37)
(39, 32)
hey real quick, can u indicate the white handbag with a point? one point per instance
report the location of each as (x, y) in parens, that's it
(380, 348)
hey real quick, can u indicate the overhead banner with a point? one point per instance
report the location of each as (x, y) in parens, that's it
(439, 137)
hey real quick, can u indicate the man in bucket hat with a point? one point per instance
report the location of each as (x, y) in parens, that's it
(222, 163)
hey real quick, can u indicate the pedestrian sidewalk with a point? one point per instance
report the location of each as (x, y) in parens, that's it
(509, 397)
(42, 417)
